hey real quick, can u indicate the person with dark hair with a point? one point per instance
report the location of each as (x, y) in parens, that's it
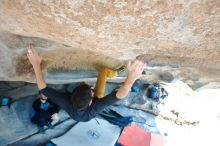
(81, 96)
(82, 105)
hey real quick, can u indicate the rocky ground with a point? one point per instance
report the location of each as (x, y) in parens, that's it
(186, 117)
(200, 108)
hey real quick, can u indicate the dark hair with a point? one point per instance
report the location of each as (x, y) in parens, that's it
(81, 96)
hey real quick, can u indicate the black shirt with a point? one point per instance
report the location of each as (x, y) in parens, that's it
(63, 100)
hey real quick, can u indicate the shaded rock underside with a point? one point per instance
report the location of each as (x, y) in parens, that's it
(179, 37)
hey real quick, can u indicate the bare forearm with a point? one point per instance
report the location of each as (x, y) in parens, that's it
(35, 60)
(125, 88)
(39, 77)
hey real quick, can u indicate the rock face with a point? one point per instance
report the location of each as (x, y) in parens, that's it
(82, 34)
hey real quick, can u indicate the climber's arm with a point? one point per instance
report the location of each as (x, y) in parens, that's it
(135, 69)
(39, 78)
(35, 60)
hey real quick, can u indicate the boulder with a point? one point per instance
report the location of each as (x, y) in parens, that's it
(80, 35)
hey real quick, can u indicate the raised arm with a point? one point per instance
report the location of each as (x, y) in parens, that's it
(135, 69)
(35, 59)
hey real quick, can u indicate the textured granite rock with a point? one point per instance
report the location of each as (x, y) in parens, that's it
(80, 34)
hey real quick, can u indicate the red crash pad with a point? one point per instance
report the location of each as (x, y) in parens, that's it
(132, 135)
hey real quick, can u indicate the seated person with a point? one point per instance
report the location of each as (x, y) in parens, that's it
(44, 112)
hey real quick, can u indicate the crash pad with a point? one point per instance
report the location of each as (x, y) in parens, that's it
(132, 135)
(92, 133)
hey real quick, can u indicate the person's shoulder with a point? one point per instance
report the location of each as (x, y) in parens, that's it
(37, 101)
(44, 89)
(50, 101)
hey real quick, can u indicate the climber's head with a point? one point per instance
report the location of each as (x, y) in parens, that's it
(42, 97)
(82, 96)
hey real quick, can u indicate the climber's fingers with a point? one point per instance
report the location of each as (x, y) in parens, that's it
(28, 56)
(31, 49)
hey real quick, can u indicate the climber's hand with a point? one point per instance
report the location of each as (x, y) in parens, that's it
(135, 69)
(34, 58)
(55, 117)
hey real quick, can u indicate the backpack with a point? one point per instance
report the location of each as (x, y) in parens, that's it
(156, 92)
